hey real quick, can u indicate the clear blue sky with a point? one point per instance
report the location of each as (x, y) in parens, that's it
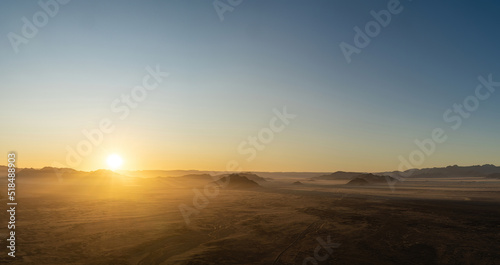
(227, 76)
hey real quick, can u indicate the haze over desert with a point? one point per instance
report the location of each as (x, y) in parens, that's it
(249, 132)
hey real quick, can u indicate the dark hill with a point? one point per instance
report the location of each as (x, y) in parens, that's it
(250, 176)
(237, 181)
(449, 171)
(365, 179)
(199, 177)
(339, 175)
(358, 182)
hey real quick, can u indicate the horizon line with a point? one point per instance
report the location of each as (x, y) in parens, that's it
(243, 171)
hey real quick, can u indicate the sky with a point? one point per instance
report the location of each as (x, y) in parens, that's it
(227, 79)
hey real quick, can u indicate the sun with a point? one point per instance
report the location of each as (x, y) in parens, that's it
(114, 161)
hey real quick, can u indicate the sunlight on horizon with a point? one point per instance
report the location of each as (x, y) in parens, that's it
(114, 161)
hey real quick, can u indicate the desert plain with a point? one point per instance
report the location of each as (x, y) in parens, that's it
(106, 217)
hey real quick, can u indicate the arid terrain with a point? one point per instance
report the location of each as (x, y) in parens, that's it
(108, 218)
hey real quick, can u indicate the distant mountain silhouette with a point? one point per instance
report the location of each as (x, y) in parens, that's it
(250, 176)
(237, 181)
(160, 173)
(48, 173)
(201, 177)
(339, 175)
(449, 171)
(366, 179)
(357, 182)
(102, 174)
(298, 183)
(430, 175)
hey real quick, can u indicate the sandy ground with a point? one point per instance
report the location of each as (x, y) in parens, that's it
(451, 221)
